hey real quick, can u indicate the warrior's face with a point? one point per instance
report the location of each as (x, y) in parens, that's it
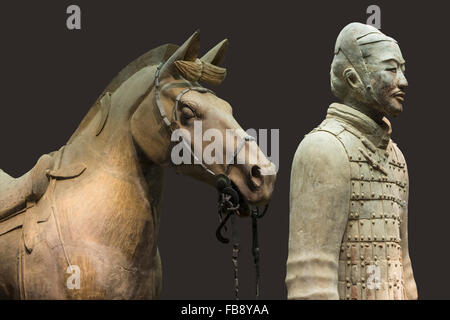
(386, 68)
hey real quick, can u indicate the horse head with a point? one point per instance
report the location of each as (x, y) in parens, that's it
(166, 120)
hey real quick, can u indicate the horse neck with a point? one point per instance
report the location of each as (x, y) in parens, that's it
(113, 147)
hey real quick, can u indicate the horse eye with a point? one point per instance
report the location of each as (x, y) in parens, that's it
(187, 112)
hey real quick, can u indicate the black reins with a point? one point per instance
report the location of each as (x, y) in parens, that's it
(228, 204)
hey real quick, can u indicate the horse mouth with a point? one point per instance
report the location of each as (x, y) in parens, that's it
(244, 207)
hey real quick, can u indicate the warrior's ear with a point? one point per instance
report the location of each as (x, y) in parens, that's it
(216, 55)
(188, 51)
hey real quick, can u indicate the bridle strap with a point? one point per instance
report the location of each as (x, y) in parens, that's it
(158, 98)
(235, 256)
(255, 249)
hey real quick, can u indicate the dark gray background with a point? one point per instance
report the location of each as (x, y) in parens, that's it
(278, 77)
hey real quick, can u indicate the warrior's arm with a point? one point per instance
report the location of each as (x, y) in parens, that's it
(319, 204)
(409, 282)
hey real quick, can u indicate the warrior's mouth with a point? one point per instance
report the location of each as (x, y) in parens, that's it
(399, 95)
(244, 208)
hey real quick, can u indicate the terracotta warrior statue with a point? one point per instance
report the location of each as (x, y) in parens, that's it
(349, 182)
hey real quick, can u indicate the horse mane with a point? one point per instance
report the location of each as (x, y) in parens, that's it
(150, 58)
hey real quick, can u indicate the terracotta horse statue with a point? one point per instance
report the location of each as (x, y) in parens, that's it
(83, 223)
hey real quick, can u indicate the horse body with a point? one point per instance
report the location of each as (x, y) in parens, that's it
(105, 222)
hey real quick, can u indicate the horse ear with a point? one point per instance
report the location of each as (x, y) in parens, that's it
(216, 55)
(188, 51)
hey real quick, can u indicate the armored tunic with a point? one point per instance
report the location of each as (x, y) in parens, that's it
(348, 221)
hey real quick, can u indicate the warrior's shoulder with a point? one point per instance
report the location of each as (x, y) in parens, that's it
(322, 144)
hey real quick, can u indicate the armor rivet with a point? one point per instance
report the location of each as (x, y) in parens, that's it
(375, 238)
(362, 203)
(386, 221)
(356, 214)
(351, 157)
(362, 223)
(368, 238)
(362, 246)
(362, 238)
(388, 258)
(373, 194)
(348, 263)
(362, 264)
(373, 215)
(349, 238)
(363, 286)
(373, 222)
(347, 279)
(356, 237)
(389, 264)
(375, 258)
(361, 257)
(360, 164)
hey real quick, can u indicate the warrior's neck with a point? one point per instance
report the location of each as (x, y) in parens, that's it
(368, 110)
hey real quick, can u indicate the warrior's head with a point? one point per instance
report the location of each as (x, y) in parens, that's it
(368, 71)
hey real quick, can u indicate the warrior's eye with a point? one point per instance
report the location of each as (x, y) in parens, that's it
(187, 112)
(393, 70)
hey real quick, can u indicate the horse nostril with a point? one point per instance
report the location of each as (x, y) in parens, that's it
(255, 176)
